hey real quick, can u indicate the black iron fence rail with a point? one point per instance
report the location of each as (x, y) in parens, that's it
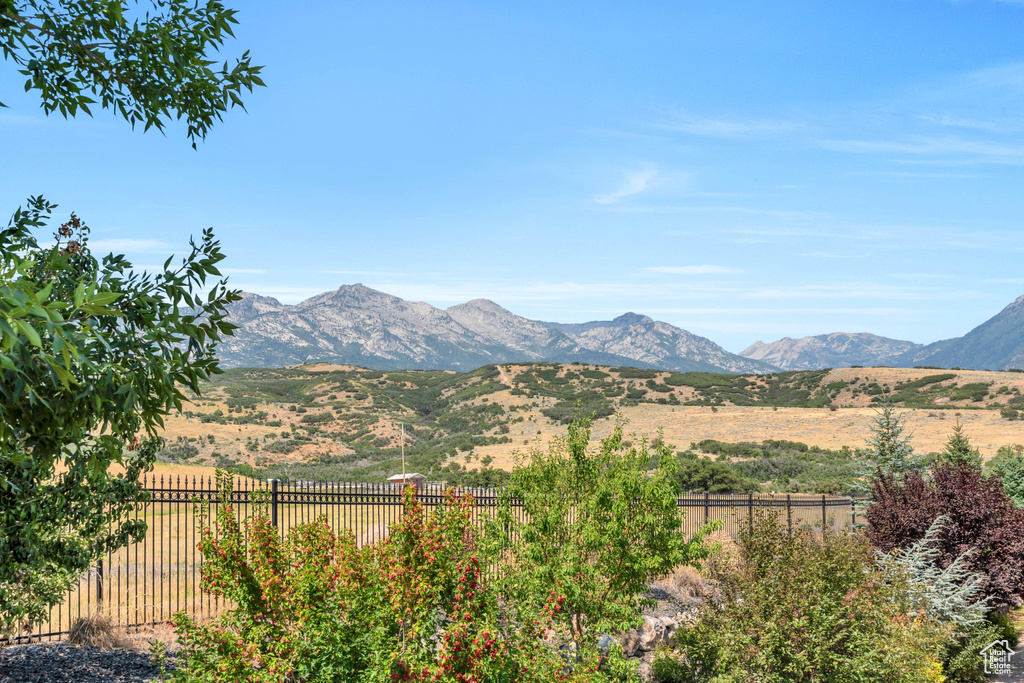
(146, 583)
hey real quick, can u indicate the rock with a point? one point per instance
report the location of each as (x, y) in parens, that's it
(646, 672)
(630, 641)
(652, 633)
(604, 648)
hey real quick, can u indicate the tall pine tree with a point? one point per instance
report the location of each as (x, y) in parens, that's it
(889, 442)
(958, 448)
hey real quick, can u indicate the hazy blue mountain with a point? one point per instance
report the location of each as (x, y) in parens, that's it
(836, 350)
(657, 344)
(996, 344)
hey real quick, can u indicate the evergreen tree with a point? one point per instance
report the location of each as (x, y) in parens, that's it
(1008, 467)
(958, 448)
(889, 444)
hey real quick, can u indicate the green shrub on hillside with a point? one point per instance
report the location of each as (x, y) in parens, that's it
(1008, 467)
(801, 608)
(583, 402)
(704, 474)
(636, 373)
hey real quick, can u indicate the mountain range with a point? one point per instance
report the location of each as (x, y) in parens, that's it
(361, 326)
(996, 344)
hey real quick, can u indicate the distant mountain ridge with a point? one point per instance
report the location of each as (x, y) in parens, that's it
(836, 350)
(996, 344)
(361, 326)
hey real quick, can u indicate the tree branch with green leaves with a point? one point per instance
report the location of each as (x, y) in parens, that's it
(93, 355)
(150, 66)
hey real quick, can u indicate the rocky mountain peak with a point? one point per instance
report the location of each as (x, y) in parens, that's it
(632, 319)
(362, 326)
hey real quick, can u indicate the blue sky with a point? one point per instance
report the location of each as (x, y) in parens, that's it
(745, 170)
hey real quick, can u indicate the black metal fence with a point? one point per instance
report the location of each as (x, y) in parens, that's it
(146, 583)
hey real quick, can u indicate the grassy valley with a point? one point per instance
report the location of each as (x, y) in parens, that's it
(342, 422)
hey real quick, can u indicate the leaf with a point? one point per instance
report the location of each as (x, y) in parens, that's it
(29, 332)
(90, 309)
(104, 298)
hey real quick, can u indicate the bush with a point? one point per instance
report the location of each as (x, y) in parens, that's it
(282, 446)
(703, 474)
(802, 607)
(950, 594)
(177, 452)
(593, 531)
(636, 373)
(314, 607)
(982, 519)
(96, 631)
(316, 418)
(1008, 467)
(584, 402)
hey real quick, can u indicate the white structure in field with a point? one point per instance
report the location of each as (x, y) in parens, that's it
(402, 480)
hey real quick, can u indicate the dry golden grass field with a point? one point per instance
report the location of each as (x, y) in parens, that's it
(847, 425)
(683, 425)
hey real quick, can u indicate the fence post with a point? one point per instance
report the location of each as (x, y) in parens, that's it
(99, 583)
(789, 513)
(750, 510)
(273, 501)
(707, 507)
(824, 515)
(853, 512)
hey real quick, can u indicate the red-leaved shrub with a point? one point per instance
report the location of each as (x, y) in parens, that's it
(982, 519)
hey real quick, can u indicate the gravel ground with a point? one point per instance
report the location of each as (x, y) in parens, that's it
(61, 663)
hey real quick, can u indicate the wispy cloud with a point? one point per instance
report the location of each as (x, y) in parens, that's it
(921, 276)
(8, 119)
(939, 147)
(131, 245)
(373, 273)
(505, 292)
(635, 183)
(921, 174)
(857, 290)
(950, 121)
(719, 209)
(834, 255)
(723, 127)
(694, 270)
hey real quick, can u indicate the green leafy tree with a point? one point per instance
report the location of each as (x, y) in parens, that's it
(1008, 467)
(92, 356)
(148, 64)
(594, 529)
(958, 448)
(704, 474)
